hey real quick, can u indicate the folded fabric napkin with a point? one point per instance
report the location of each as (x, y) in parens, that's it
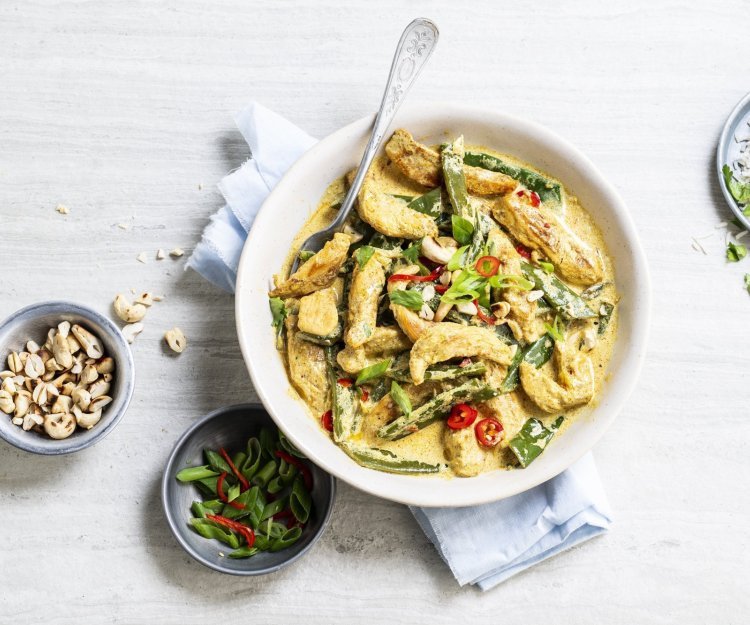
(482, 545)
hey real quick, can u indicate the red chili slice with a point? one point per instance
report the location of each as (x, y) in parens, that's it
(462, 416)
(441, 288)
(489, 432)
(244, 484)
(487, 266)
(247, 533)
(535, 199)
(431, 277)
(489, 320)
(365, 394)
(222, 495)
(523, 251)
(306, 475)
(327, 420)
(520, 193)
(345, 382)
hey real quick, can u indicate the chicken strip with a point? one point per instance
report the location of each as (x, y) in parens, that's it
(574, 385)
(307, 368)
(408, 320)
(522, 311)
(364, 293)
(422, 164)
(543, 231)
(318, 272)
(463, 452)
(384, 343)
(450, 340)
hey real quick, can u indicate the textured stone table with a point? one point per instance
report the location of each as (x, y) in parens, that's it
(123, 114)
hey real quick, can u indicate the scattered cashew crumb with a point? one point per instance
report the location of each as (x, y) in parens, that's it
(160, 255)
(62, 209)
(132, 330)
(141, 258)
(200, 186)
(176, 252)
(123, 226)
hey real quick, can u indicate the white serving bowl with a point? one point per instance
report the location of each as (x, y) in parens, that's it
(296, 197)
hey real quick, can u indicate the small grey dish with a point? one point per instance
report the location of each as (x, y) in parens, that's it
(736, 126)
(33, 322)
(230, 428)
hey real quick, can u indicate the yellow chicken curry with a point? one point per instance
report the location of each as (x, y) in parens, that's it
(461, 318)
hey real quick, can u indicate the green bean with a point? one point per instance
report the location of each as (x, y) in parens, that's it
(385, 242)
(546, 189)
(345, 406)
(532, 440)
(266, 473)
(208, 529)
(243, 552)
(216, 462)
(287, 539)
(436, 408)
(199, 510)
(252, 462)
(605, 317)
(273, 507)
(383, 460)
(441, 372)
(195, 473)
(560, 296)
(300, 501)
(455, 184)
(593, 291)
(380, 389)
(536, 353)
(324, 341)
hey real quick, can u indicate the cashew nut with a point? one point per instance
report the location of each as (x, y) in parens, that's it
(6, 402)
(440, 250)
(129, 313)
(88, 341)
(176, 340)
(61, 351)
(81, 397)
(86, 420)
(59, 425)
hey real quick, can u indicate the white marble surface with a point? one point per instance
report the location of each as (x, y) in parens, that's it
(123, 113)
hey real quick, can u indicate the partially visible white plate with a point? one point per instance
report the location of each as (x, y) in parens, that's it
(297, 195)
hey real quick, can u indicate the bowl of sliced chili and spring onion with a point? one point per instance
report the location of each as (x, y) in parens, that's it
(240, 498)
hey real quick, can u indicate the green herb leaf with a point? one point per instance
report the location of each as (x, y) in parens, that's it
(740, 191)
(412, 252)
(363, 254)
(305, 255)
(409, 299)
(458, 259)
(429, 204)
(736, 252)
(548, 267)
(462, 229)
(401, 398)
(373, 372)
(467, 287)
(278, 310)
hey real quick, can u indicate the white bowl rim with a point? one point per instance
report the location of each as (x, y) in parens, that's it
(393, 487)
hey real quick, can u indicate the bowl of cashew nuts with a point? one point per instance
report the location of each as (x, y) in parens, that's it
(66, 377)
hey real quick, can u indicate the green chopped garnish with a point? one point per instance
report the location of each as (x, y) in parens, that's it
(279, 314)
(458, 259)
(467, 287)
(548, 267)
(305, 255)
(736, 252)
(373, 372)
(363, 254)
(510, 281)
(557, 329)
(409, 299)
(740, 191)
(401, 398)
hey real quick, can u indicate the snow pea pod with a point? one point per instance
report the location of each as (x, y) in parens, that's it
(436, 408)
(345, 406)
(532, 440)
(196, 473)
(384, 460)
(300, 502)
(547, 190)
(287, 539)
(243, 552)
(208, 529)
(266, 474)
(559, 295)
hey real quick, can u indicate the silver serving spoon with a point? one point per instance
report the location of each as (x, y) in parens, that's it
(414, 48)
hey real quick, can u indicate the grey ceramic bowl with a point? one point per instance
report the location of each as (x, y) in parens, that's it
(33, 322)
(728, 150)
(230, 427)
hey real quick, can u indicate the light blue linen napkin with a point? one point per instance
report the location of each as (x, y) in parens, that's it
(482, 545)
